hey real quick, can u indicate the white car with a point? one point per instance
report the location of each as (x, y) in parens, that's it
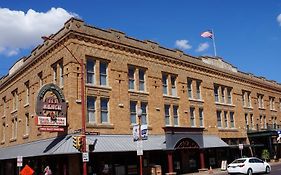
(248, 166)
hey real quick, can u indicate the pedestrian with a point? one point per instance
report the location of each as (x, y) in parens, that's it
(47, 171)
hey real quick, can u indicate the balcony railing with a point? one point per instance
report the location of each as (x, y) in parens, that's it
(269, 127)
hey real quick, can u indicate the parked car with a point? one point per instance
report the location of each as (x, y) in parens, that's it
(248, 166)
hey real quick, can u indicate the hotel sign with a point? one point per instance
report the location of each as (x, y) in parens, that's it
(51, 109)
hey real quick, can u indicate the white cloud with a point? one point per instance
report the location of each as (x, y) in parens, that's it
(279, 19)
(24, 30)
(183, 44)
(202, 47)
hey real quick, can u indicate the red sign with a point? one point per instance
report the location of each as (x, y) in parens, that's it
(51, 129)
(26, 170)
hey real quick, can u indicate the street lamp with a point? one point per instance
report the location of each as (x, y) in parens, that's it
(139, 112)
(81, 63)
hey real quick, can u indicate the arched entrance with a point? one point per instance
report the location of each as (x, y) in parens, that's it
(186, 156)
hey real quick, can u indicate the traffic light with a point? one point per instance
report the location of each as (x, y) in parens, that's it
(79, 143)
(75, 142)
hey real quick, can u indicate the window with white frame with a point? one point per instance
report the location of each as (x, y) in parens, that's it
(264, 122)
(27, 124)
(225, 119)
(133, 112)
(271, 103)
(27, 92)
(231, 118)
(167, 115)
(216, 93)
(136, 76)
(201, 117)
(219, 124)
(3, 133)
(189, 88)
(223, 94)
(91, 109)
(91, 71)
(104, 110)
(15, 99)
(55, 74)
(4, 106)
(103, 73)
(14, 127)
(198, 89)
(246, 120)
(61, 74)
(192, 117)
(176, 115)
(144, 113)
(169, 84)
(260, 101)
(40, 76)
(251, 125)
(173, 86)
(229, 96)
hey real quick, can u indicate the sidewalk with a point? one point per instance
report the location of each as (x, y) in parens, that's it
(218, 171)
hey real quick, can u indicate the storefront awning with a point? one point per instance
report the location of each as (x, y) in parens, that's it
(64, 145)
(213, 141)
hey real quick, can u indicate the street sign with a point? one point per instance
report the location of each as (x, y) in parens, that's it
(240, 146)
(139, 148)
(27, 170)
(19, 161)
(85, 157)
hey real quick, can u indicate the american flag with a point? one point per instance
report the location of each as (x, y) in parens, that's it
(207, 34)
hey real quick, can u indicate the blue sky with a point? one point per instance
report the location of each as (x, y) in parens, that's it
(247, 32)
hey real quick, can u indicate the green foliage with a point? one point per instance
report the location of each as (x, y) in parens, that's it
(265, 154)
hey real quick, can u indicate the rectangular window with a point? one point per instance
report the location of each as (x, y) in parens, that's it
(167, 115)
(104, 110)
(131, 75)
(40, 76)
(165, 84)
(246, 120)
(216, 93)
(251, 121)
(61, 74)
(249, 99)
(198, 91)
(15, 99)
(173, 85)
(103, 73)
(260, 100)
(201, 117)
(91, 102)
(27, 123)
(225, 119)
(55, 74)
(264, 122)
(4, 106)
(141, 80)
(219, 119)
(3, 131)
(175, 114)
(133, 112)
(189, 88)
(271, 103)
(231, 118)
(229, 98)
(222, 95)
(144, 113)
(192, 116)
(91, 71)
(14, 127)
(27, 92)
(280, 104)
(243, 98)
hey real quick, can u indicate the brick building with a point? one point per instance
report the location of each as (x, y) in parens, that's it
(197, 109)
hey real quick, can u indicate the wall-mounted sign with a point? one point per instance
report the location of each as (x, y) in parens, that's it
(51, 109)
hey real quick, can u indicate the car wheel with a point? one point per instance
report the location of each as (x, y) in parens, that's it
(267, 170)
(250, 172)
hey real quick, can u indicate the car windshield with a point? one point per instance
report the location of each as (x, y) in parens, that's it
(239, 161)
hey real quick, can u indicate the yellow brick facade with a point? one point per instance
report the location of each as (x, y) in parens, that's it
(120, 52)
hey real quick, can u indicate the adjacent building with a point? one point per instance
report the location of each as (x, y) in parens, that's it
(197, 109)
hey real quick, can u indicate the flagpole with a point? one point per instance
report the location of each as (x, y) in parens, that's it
(214, 43)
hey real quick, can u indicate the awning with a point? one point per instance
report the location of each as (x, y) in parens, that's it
(213, 141)
(64, 145)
